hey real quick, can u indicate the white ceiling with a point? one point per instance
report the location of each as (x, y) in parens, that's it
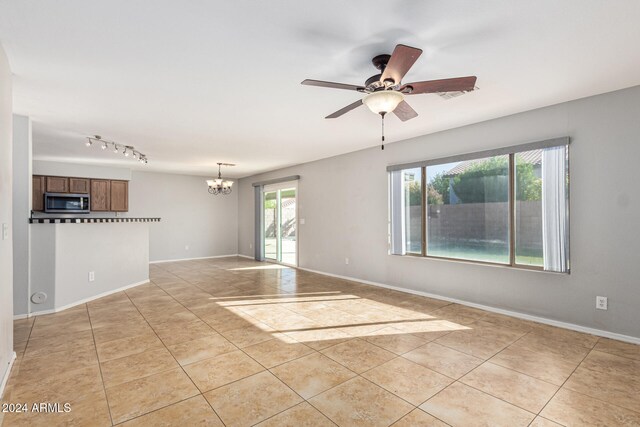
(191, 83)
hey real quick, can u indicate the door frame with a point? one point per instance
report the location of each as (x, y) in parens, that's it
(277, 187)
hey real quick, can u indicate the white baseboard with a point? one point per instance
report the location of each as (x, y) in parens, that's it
(192, 259)
(79, 302)
(7, 373)
(245, 256)
(544, 320)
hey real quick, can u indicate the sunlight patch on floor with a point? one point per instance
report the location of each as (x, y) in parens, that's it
(262, 267)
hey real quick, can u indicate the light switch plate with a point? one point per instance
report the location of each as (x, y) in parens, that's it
(92, 276)
(5, 231)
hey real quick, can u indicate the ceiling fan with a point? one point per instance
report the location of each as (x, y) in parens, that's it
(385, 92)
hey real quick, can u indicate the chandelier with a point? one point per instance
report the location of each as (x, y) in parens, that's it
(219, 185)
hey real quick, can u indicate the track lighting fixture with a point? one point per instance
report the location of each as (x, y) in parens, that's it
(127, 150)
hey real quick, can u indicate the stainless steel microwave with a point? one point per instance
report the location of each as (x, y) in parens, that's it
(66, 203)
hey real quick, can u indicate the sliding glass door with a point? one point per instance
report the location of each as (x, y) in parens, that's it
(270, 225)
(280, 223)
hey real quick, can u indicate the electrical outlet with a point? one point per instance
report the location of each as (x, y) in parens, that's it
(250, 245)
(601, 303)
(5, 231)
(346, 261)
(301, 221)
(186, 247)
(92, 276)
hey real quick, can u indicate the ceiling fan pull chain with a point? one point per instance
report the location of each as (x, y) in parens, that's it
(382, 114)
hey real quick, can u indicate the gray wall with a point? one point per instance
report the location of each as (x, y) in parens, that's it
(344, 203)
(43, 267)
(118, 253)
(62, 256)
(6, 245)
(45, 167)
(191, 217)
(21, 211)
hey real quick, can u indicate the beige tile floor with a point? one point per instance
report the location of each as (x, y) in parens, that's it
(238, 343)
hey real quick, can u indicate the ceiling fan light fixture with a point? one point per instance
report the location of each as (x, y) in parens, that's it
(384, 101)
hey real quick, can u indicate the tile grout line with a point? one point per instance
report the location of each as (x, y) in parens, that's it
(487, 360)
(565, 381)
(303, 399)
(360, 374)
(169, 351)
(95, 347)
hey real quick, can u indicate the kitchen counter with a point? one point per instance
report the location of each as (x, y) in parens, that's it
(87, 220)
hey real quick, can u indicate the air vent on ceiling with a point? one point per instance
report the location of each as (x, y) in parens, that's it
(451, 95)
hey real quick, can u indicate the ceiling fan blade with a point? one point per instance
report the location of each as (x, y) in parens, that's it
(332, 85)
(457, 84)
(402, 59)
(405, 112)
(345, 110)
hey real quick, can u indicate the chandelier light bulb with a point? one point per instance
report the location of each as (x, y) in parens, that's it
(88, 143)
(126, 153)
(104, 145)
(115, 148)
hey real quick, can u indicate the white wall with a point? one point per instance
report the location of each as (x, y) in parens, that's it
(21, 210)
(6, 245)
(191, 216)
(344, 203)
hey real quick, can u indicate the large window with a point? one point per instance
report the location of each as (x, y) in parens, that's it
(507, 206)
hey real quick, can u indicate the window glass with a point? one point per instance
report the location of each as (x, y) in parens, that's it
(412, 184)
(468, 210)
(528, 208)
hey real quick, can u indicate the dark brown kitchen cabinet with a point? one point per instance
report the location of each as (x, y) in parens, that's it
(106, 195)
(100, 195)
(79, 185)
(37, 192)
(119, 196)
(57, 184)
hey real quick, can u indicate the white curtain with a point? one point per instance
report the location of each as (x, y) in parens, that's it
(396, 196)
(555, 224)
